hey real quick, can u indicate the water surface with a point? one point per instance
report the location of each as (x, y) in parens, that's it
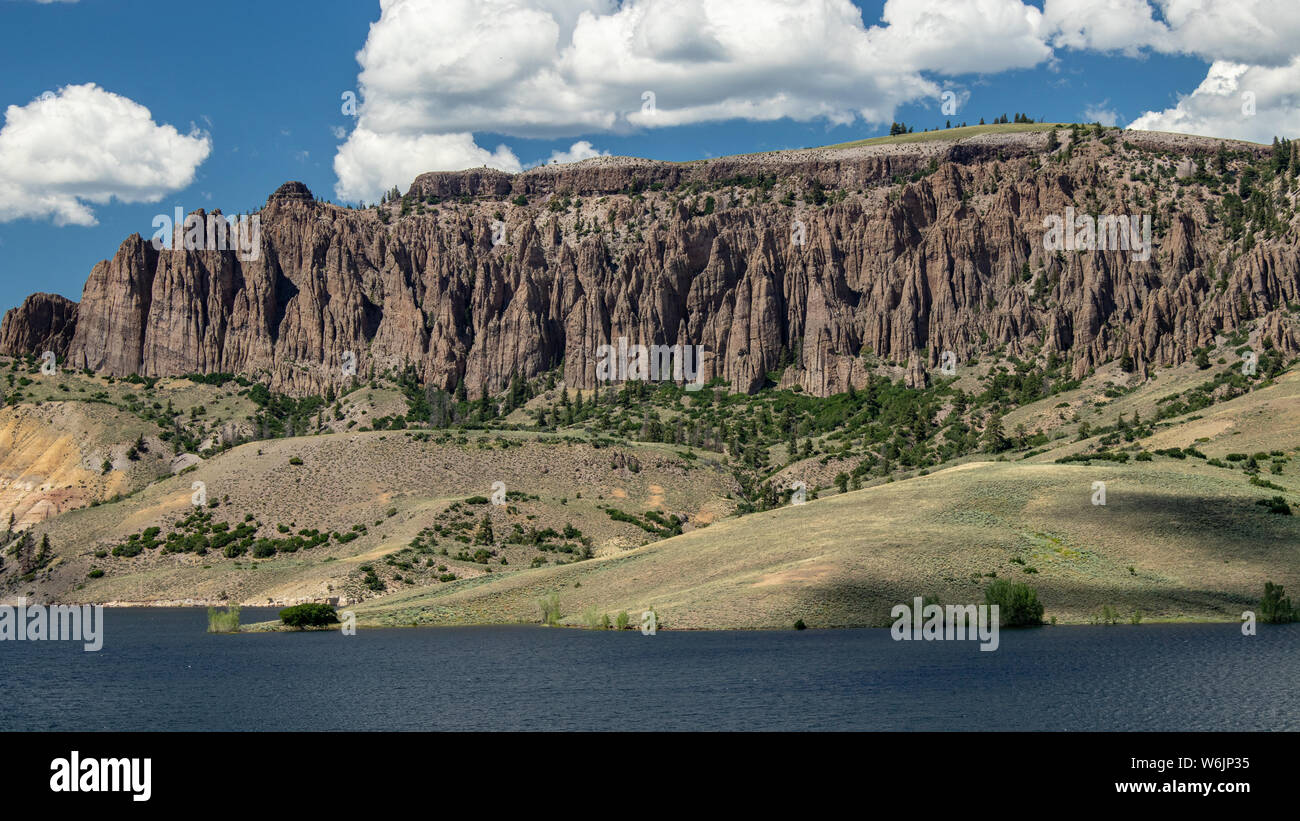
(159, 670)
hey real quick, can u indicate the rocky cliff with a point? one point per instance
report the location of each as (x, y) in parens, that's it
(44, 322)
(812, 266)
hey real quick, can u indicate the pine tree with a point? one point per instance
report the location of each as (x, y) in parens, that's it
(24, 553)
(484, 534)
(516, 396)
(995, 440)
(1221, 159)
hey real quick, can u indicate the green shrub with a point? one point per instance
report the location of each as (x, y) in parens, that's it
(1018, 604)
(550, 607)
(223, 621)
(1275, 607)
(594, 619)
(1109, 615)
(308, 615)
(127, 550)
(1276, 505)
(621, 621)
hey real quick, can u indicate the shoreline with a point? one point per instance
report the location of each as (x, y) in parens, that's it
(276, 627)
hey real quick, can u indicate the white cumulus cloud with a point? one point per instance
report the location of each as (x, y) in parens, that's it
(436, 72)
(83, 146)
(1099, 113)
(1235, 100)
(1253, 47)
(1258, 32)
(1125, 26)
(581, 150)
(370, 163)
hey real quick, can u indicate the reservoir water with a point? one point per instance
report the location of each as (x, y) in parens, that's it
(159, 670)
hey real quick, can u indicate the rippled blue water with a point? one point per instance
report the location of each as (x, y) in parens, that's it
(159, 670)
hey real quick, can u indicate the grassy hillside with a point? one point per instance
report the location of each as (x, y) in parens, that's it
(72, 439)
(1178, 538)
(377, 491)
(399, 519)
(1173, 541)
(952, 134)
(356, 515)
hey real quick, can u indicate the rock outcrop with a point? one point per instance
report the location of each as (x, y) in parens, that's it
(44, 322)
(815, 266)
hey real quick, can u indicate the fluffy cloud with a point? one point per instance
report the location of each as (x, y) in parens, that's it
(1126, 26)
(435, 71)
(1235, 100)
(84, 145)
(973, 37)
(369, 163)
(1099, 113)
(580, 150)
(1259, 32)
(1253, 48)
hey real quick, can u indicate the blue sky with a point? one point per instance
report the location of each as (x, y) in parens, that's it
(262, 83)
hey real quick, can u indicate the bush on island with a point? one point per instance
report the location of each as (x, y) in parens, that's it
(308, 615)
(1018, 604)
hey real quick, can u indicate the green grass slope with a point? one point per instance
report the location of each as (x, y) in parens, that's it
(406, 506)
(1177, 539)
(952, 134)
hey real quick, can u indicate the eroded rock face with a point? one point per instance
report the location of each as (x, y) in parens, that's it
(44, 322)
(918, 249)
